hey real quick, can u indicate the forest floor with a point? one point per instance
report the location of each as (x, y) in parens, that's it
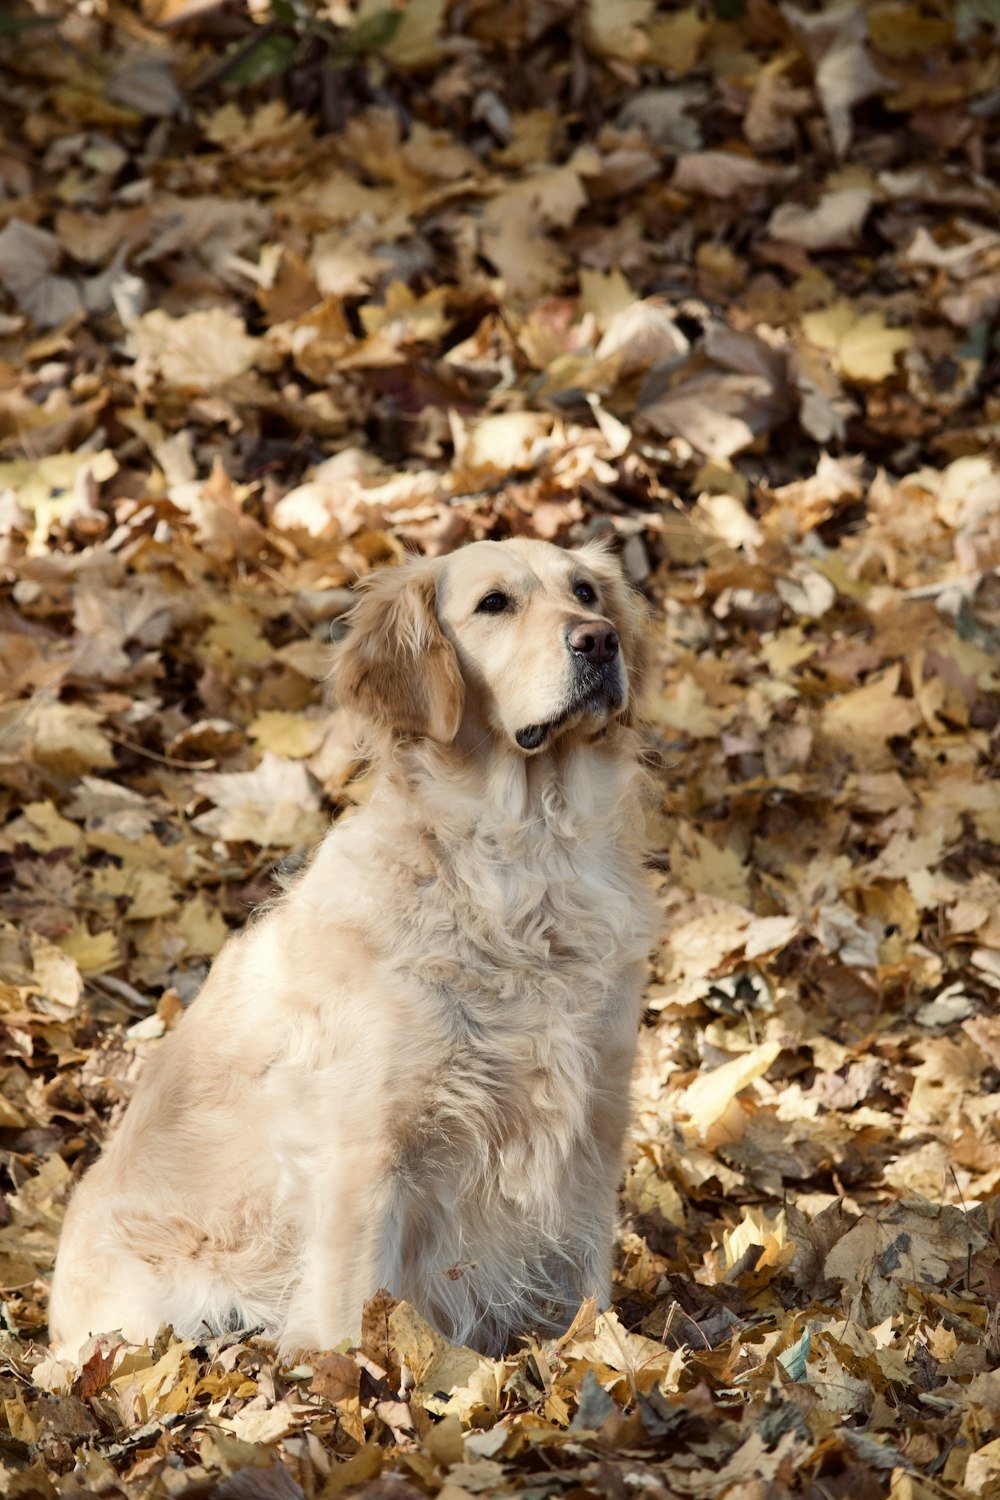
(284, 294)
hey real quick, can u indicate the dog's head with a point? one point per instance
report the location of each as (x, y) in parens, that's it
(520, 638)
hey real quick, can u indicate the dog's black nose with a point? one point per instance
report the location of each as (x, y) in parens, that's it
(594, 640)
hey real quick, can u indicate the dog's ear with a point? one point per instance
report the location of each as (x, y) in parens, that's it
(396, 668)
(628, 613)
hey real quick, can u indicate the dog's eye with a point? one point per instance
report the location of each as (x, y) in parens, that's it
(584, 592)
(493, 603)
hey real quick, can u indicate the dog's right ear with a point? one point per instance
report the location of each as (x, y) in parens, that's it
(396, 667)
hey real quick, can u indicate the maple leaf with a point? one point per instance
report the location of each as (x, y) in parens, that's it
(276, 805)
(864, 346)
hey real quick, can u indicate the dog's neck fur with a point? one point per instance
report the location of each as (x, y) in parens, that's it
(497, 793)
(573, 834)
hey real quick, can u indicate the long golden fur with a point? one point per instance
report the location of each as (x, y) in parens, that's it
(412, 1071)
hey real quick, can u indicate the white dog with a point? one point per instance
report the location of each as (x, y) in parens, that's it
(412, 1071)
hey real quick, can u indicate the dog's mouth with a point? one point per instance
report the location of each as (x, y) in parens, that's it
(596, 697)
(533, 736)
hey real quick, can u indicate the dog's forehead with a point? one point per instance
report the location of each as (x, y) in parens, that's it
(521, 562)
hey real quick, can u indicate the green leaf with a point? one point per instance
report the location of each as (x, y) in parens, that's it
(374, 31)
(285, 14)
(267, 58)
(795, 1358)
(13, 25)
(971, 14)
(977, 344)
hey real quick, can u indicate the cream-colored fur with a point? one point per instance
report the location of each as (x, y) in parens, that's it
(412, 1070)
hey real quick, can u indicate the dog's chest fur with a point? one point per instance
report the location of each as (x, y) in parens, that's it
(521, 940)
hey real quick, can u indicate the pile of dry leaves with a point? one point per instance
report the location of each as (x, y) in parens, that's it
(289, 287)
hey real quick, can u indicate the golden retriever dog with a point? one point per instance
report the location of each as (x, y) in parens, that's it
(412, 1071)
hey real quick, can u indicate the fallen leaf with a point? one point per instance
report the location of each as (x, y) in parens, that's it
(706, 1100)
(865, 347)
(274, 806)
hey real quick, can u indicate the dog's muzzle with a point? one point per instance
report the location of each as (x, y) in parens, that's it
(594, 646)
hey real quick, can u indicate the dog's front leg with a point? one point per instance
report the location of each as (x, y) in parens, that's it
(589, 1207)
(590, 1194)
(348, 1253)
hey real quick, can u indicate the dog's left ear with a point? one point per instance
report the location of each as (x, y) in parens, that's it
(396, 668)
(627, 611)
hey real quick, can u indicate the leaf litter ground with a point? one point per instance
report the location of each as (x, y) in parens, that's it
(285, 293)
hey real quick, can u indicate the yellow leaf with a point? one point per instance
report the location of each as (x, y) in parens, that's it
(151, 1387)
(262, 1426)
(150, 893)
(43, 828)
(308, 658)
(894, 1366)
(868, 350)
(203, 928)
(169, 12)
(20, 1424)
(93, 953)
(983, 1468)
(687, 709)
(675, 40)
(445, 1444)
(827, 326)
(353, 1471)
(604, 294)
(514, 224)
(834, 570)
(864, 347)
(46, 485)
(614, 28)
(292, 735)
(787, 649)
(277, 804)
(905, 1485)
(200, 350)
(11, 1117)
(416, 41)
(860, 723)
(65, 736)
(506, 441)
(645, 1188)
(710, 1095)
(756, 1228)
(337, 1379)
(436, 1364)
(236, 633)
(406, 317)
(699, 865)
(904, 31)
(606, 1342)
(57, 976)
